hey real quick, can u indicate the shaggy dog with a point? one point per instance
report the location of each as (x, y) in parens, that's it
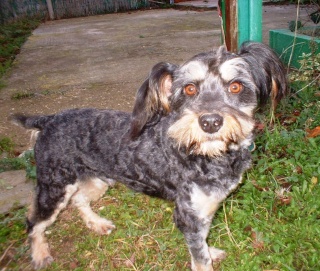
(187, 140)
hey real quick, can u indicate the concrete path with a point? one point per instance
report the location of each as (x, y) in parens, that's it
(101, 61)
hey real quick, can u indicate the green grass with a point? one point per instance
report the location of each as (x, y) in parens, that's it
(12, 37)
(11, 162)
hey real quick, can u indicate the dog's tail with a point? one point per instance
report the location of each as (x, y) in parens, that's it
(30, 122)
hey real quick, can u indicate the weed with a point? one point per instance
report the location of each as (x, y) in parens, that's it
(25, 161)
(12, 37)
(22, 95)
(6, 146)
(309, 71)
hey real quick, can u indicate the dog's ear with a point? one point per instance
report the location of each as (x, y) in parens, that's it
(267, 70)
(152, 97)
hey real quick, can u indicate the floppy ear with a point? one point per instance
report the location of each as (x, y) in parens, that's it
(267, 70)
(152, 97)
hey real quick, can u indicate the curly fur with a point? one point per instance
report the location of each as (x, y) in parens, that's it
(165, 148)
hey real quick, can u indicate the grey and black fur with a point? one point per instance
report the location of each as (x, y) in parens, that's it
(187, 140)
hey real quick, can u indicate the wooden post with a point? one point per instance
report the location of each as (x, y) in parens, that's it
(242, 22)
(50, 9)
(231, 24)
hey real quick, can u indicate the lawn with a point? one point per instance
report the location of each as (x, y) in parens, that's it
(272, 222)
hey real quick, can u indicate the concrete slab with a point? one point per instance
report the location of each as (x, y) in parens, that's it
(15, 190)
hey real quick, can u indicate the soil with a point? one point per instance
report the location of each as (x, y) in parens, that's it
(315, 33)
(100, 61)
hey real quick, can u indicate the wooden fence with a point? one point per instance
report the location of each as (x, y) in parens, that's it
(15, 9)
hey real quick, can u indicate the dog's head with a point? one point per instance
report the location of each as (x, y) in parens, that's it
(213, 97)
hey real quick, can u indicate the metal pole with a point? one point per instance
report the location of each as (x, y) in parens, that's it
(255, 20)
(250, 20)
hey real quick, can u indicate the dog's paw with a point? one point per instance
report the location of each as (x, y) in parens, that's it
(101, 226)
(217, 255)
(195, 266)
(43, 263)
(41, 257)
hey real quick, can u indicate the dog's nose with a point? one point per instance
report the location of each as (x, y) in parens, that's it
(210, 123)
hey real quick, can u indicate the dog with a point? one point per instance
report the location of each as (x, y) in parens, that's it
(187, 141)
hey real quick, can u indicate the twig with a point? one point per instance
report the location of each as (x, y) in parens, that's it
(318, 77)
(295, 34)
(6, 251)
(227, 227)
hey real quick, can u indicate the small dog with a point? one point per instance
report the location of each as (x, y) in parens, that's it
(187, 140)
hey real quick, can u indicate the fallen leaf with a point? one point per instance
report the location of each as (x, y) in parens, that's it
(260, 188)
(314, 132)
(298, 169)
(257, 243)
(285, 200)
(73, 265)
(289, 120)
(314, 182)
(296, 112)
(260, 126)
(130, 262)
(283, 196)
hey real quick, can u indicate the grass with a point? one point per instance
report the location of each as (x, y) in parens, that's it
(12, 37)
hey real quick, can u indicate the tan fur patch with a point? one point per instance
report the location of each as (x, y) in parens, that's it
(39, 247)
(274, 93)
(205, 205)
(161, 96)
(89, 190)
(165, 92)
(187, 133)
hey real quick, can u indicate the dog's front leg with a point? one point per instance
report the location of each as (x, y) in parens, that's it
(195, 232)
(195, 225)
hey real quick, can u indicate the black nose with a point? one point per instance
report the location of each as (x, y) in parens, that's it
(211, 123)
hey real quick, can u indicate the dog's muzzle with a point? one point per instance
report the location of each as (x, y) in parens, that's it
(210, 123)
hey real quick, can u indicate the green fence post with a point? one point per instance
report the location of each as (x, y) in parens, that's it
(249, 20)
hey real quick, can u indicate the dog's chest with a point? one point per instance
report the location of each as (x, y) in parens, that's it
(165, 173)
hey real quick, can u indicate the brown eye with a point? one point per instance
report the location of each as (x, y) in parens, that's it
(235, 87)
(190, 90)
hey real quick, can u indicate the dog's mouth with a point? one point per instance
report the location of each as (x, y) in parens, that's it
(211, 134)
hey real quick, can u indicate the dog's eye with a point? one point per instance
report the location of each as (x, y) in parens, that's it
(190, 90)
(235, 87)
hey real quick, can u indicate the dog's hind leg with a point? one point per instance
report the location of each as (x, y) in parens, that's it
(90, 190)
(42, 216)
